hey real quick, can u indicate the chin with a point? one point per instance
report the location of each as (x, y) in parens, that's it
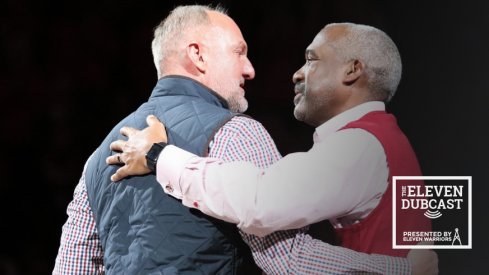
(238, 105)
(243, 106)
(298, 114)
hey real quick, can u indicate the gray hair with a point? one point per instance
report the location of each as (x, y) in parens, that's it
(377, 51)
(181, 21)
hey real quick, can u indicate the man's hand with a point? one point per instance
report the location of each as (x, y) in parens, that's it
(424, 261)
(133, 151)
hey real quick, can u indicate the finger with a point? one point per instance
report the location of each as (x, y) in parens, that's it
(128, 131)
(117, 145)
(119, 174)
(115, 159)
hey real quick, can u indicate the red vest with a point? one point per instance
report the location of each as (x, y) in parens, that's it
(373, 234)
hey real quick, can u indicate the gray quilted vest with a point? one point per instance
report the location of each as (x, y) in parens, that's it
(143, 230)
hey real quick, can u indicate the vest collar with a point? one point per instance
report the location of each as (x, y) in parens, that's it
(182, 85)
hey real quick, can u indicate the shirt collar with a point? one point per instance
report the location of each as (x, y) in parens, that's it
(340, 120)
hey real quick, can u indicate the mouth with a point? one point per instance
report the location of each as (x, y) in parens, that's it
(242, 90)
(299, 92)
(297, 98)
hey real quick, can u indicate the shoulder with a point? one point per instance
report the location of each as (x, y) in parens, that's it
(243, 138)
(244, 125)
(244, 128)
(355, 134)
(355, 142)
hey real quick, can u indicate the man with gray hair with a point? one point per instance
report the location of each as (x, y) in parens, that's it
(134, 228)
(350, 72)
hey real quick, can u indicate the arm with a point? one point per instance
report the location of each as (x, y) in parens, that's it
(300, 189)
(287, 195)
(305, 255)
(295, 252)
(80, 249)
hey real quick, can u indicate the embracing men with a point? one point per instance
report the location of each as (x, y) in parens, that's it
(201, 58)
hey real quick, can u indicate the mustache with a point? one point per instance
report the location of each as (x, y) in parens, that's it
(299, 87)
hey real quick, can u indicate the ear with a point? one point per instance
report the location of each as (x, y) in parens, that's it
(194, 54)
(354, 70)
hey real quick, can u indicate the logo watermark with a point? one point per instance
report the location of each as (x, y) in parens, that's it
(444, 200)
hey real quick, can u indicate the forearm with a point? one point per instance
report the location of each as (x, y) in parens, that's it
(295, 252)
(294, 192)
(198, 184)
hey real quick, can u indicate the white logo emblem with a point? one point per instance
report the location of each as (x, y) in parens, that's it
(445, 200)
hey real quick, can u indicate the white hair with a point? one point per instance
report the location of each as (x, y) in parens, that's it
(181, 21)
(377, 51)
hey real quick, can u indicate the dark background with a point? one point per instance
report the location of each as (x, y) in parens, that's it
(71, 69)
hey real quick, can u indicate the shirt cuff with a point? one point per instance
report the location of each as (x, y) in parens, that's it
(169, 168)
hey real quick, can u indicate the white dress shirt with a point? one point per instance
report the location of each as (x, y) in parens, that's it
(341, 178)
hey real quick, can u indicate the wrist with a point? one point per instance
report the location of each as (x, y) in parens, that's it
(153, 154)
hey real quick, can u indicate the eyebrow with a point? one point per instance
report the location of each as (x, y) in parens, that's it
(242, 46)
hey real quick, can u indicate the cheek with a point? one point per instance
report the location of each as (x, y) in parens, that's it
(311, 75)
(319, 81)
(312, 84)
(234, 73)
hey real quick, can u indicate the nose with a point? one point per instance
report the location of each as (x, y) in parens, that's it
(248, 70)
(298, 75)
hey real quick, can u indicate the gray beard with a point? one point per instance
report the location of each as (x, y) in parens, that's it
(237, 104)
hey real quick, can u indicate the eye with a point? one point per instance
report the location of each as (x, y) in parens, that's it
(309, 60)
(241, 52)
